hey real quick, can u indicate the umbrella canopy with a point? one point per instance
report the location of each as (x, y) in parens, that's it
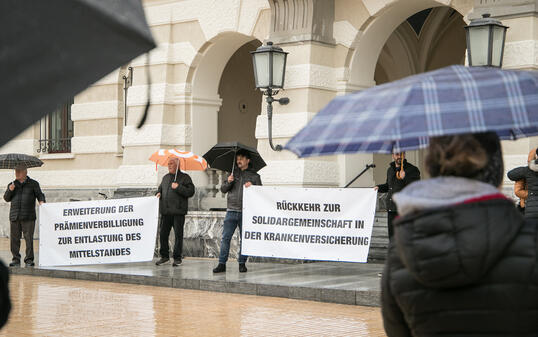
(404, 114)
(52, 50)
(188, 161)
(18, 160)
(222, 156)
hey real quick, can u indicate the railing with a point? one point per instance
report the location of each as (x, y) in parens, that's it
(59, 145)
(215, 180)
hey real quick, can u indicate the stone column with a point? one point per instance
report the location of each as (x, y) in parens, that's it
(168, 122)
(304, 29)
(521, 52)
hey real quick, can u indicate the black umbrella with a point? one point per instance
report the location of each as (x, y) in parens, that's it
(52, 50)
(18, 160)
(222, 156)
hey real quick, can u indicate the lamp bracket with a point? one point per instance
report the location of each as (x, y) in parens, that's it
(127, 82)
(270, 99)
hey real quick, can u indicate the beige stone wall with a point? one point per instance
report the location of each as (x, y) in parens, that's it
(191, 91)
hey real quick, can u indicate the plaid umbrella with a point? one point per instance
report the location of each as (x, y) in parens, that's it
(402, 115)
(18, 160)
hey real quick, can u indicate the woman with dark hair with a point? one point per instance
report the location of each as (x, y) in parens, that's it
(463, 261)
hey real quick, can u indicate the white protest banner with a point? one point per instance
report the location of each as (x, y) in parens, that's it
(97, 231)
(328, 224)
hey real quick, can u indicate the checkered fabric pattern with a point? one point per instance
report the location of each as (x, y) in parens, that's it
(402, 115)
(18, 160)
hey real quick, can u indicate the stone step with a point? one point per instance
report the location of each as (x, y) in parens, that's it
(343, 283)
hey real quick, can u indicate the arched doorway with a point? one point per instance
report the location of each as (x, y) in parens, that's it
(369, 61)
(430, 39)
(241, 102)
(214, 89)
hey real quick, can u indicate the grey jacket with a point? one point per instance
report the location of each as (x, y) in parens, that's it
(235, 188)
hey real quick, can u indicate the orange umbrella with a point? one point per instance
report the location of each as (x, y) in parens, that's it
(188, 161)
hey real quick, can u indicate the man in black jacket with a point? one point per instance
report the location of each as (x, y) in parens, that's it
(173, 193)
(246, 177)
(396, 181)
(22, 193)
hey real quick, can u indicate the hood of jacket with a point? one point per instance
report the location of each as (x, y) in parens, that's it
(453, 230)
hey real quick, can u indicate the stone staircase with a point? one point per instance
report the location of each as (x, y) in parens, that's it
(380, 238)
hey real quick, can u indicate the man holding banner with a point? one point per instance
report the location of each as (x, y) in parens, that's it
(173, 193)
(244, 177)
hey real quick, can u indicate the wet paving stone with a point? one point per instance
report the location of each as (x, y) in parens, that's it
(44, 306)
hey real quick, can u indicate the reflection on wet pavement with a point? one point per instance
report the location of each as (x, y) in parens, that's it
(63, 307)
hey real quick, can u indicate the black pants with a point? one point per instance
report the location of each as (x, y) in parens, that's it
(391, 215)
(19, 228)
(167, 222)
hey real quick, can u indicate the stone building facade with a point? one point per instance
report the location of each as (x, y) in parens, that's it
(202, 88)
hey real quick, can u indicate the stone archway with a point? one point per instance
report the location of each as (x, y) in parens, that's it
(241, 102)
(371, 59)
(374, 34)
(428, 40)
(204, 101)
(205, 77)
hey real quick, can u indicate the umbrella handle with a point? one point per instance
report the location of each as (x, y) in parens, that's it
(233, 164)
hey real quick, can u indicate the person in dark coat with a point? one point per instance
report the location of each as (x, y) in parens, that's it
(23, 193)
(173, 193)
(5, 301)
(397, 179)
(463, 261)
(244, 176)
(528, 174)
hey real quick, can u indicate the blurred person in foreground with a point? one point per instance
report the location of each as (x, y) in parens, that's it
(5, 301)
(463, 261)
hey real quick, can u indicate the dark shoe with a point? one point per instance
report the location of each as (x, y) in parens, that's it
(29, 264)
(15, 264)
(242, 268)
(162, 260)
(176, 263)
(220, 268)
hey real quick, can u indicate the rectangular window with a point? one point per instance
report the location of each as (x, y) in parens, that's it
(56, 130)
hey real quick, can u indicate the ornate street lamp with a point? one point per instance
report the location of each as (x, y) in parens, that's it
(485, 42)
(269, 69)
